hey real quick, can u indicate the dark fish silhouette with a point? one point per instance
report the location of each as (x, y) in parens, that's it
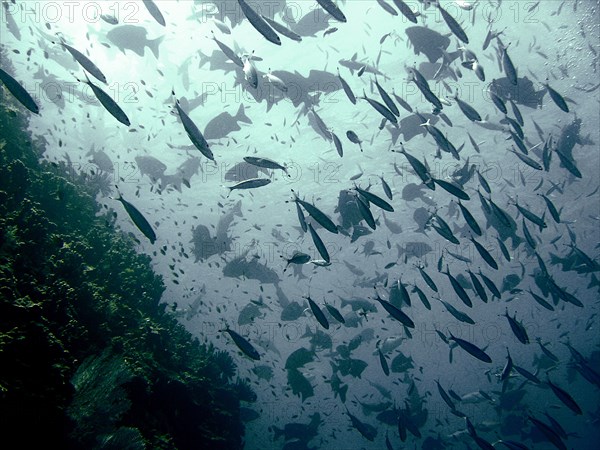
(332, 9)
(108, 18)
(9, 12)
(522, 93)
(193, 132)
(109, 104)
(190, 104)
(319, 315)
(368, 431)
(19, 92)
(453, 25)
(315, 82)
(302, 90)
(413, 249)
(156, 171)
(354, 65)
(243, 344)
(220, 126)
(252, 183)
(471, 349)
(569, 137)
(134, 38)
(232, 12)
(101, 160)
(320, 127)
(291, 311)
(54, 95)
(138, 219)
(206, 245)
(299, 431)
(282, 29)
(259, 23)
(299, 384)
(219, 61)
(154, 11)
(244, 171)
(427, 41)
(151, 166)
(85, 62)
(311, 23)
(241, 268)
(230, 53)
(410, 126)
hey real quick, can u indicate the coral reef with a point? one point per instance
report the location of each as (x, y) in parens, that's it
(90, 357)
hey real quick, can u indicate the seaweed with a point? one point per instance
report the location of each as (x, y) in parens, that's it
(90, 356)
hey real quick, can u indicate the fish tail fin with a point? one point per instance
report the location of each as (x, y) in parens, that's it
(118, 196)
(269, 105)
(171, 180)
(237, 209)
(308, 333)
(593, 281)
(342, 392)
(334, 367)
(203, 59)
(154, 44)
(87, 79)
(241, 115)
(453, 55)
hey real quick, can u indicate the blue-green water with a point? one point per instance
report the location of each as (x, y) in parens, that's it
(180, 190)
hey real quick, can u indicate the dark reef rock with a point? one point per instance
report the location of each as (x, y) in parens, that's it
(89, 356)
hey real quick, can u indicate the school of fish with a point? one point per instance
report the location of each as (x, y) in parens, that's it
(479, 196)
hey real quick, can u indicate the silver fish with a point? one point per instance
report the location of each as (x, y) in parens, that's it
(85, 62)
(194, 133)
(453, 25)
(138, 219)
(283, 30)
(109, 104)
(19, 92)
(250, 73)
(154, 12)
(250, 184)
(259, 24)
(332, 9)
(229, 52)
(265, 163)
